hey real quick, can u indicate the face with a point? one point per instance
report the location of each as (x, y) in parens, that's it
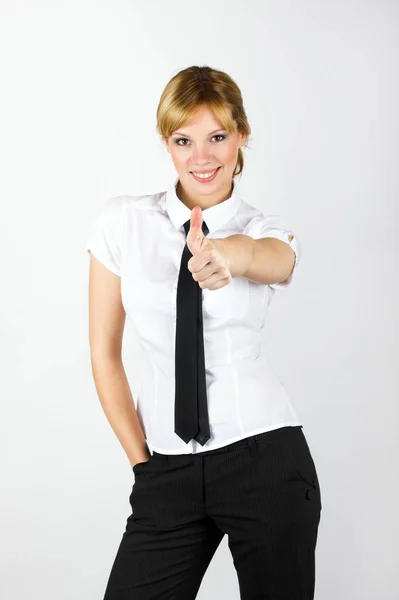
(201, 146)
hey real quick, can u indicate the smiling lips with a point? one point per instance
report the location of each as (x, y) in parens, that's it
(205, 176)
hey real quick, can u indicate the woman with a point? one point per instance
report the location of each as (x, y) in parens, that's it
(213, 440)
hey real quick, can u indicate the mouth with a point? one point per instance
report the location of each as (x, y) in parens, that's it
(205, 176)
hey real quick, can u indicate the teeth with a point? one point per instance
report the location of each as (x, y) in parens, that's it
(205, 175)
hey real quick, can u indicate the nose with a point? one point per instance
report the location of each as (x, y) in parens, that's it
(201, 157)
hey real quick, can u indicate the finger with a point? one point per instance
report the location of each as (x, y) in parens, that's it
(195, 233)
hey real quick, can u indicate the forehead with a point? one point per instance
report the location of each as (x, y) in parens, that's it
(202, 118)
(204, 121)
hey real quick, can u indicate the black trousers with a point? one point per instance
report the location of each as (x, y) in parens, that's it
(262, 491)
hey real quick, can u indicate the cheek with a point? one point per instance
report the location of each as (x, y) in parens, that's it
(178, 159)
(228, 155)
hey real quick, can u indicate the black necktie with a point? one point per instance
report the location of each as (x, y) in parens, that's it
(191, 409)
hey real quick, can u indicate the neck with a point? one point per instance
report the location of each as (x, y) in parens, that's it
(192, 199)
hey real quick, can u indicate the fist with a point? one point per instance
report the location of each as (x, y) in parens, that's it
(208, 264)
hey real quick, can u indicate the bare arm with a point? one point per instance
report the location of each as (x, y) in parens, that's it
(272, 261)
(106, 324)
(265, 260)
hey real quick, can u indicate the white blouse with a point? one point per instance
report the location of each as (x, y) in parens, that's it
(141, 239)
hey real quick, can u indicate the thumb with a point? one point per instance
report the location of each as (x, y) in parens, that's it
(195, 236)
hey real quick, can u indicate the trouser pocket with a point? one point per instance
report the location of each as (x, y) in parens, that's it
(300, 458)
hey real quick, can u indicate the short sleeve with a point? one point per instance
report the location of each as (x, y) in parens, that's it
(105, 234)
(275, 226)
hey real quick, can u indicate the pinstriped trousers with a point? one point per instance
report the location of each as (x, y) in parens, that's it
(262, 491)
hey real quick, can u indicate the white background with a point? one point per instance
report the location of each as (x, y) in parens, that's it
(80, 82)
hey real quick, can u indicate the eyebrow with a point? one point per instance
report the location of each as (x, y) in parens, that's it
(210, 133)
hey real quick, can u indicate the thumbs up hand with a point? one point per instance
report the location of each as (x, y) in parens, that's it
(208, 265)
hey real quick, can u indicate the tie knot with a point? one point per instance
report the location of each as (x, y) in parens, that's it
(204, 227)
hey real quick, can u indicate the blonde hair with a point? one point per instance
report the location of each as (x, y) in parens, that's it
(194, 87)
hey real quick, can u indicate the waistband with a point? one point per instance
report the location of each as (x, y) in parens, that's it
(252, 442)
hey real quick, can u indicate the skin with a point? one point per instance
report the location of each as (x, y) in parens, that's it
(201, 151)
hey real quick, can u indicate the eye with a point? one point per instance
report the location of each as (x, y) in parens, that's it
(182, 139)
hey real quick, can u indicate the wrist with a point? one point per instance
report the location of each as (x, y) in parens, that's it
(141, 458)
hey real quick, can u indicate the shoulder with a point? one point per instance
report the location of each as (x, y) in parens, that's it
(260, 225)
(117, 207)
(141, 202)
(255, 222)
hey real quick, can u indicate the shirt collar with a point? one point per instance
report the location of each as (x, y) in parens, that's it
(214, 216)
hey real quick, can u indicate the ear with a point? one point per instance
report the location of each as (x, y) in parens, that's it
(166, 144)
(243, 137)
